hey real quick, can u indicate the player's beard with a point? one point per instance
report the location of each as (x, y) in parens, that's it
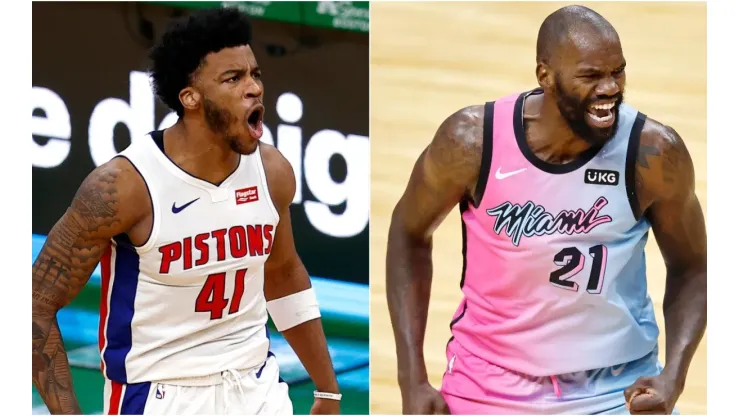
(574, 110)
(219, 120)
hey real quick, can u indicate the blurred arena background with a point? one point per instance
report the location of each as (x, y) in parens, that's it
(91, 95)
(430, 59)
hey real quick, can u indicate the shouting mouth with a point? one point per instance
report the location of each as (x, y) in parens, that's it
(254, 121)
(602, 115)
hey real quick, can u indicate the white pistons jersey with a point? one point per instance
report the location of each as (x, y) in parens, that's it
(189, 302)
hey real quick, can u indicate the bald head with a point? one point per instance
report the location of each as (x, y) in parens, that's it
(580, 68)
(571, 24)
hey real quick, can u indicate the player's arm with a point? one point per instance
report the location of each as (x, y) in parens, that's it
(291, 301)
(665, 185)
(444, 174)
(64, 265)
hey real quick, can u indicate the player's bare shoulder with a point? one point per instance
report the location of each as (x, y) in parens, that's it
(454, 154)
(107, 203)
(458, 142)
(444, 174)
(111, 199)
(280, 176)
(664, 168)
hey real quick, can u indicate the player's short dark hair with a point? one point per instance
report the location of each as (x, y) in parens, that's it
(185, 44)
(562, 23)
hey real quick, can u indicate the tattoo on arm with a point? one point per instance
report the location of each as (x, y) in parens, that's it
(644, 151)
(674, 210)
(51, 373)
(668, 194)
(71, 252)
(671, 166)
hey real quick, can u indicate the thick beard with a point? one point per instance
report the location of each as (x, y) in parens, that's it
(574, 112)
(219, 120)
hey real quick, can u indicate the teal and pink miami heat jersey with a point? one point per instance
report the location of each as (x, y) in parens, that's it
(554, 277)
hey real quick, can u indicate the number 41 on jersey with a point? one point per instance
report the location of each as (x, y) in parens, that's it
(212, 297)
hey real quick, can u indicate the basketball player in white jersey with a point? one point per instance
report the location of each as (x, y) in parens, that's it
(558, 188)
(191, 226)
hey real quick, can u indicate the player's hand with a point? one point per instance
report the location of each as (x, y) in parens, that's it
(423, 399)
(325, 407)
(652, 395)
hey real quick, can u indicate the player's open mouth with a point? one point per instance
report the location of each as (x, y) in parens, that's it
(254, 121)
(602, 115)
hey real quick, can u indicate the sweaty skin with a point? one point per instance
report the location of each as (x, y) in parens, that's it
(285, 275)
(101, 210)
(71, 251)
(447, 172)
(665, 187)
(206, 142)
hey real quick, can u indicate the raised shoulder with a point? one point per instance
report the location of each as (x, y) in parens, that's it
(280, 176)
(106, 204)
(444, 175)
(664, 169)
(666, 191)
(454, 155)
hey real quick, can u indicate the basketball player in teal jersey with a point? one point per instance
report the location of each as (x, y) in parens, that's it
(558, 188)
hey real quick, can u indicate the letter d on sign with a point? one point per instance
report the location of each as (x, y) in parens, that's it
(138, 117)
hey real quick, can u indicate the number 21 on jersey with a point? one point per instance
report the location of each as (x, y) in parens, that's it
(571, 261)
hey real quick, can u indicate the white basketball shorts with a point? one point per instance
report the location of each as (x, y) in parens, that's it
(258, 391)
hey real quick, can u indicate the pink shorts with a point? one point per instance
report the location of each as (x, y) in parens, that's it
(474, 386)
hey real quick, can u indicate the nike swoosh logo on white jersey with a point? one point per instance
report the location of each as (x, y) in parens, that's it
(616, 371)
(500, 175)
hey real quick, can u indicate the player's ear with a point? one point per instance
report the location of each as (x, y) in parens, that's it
(190, 98)
(545, 75)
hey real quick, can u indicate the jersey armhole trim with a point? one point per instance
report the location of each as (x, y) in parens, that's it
(463, 208)
(633, 147)
(457, 319)
(154, 205)
(263, 179)
(486, 154)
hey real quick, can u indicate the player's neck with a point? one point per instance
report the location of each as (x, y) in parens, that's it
(199, 151)
(548, 134)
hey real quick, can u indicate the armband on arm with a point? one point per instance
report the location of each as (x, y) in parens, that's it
(293, 310)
